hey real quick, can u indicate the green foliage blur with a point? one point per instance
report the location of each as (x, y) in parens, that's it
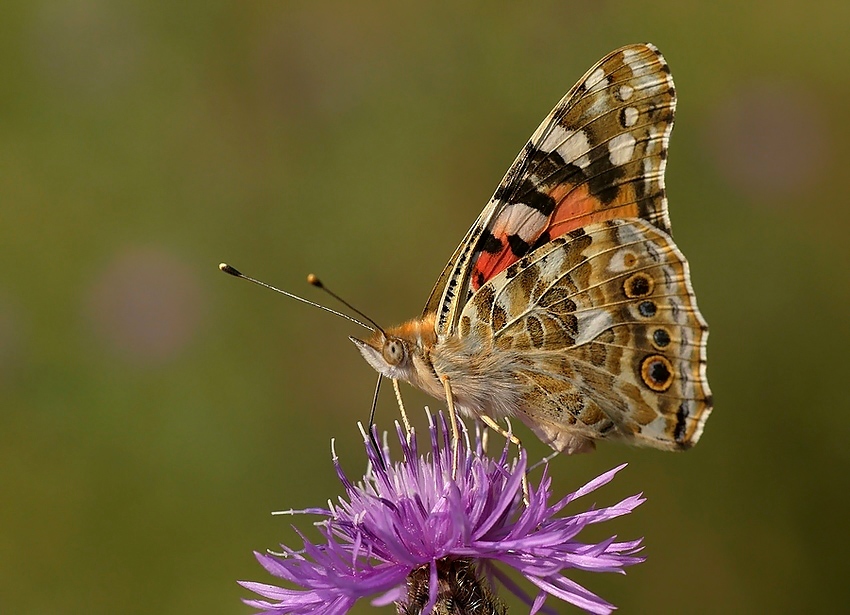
(153, 411)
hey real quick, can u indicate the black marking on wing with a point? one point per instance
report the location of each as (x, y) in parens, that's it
(488, 243)
(519, 247)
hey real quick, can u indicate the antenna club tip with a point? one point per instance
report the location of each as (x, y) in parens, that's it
(228, 269)
(314, 281)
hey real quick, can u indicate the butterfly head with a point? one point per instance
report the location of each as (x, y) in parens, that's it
(388, 355)
(399, 352)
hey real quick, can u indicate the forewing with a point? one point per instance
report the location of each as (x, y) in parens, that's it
(599, 155)
(605, 326)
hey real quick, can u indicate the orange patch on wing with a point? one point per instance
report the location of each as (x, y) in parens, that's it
(489, 264)
(575, 207)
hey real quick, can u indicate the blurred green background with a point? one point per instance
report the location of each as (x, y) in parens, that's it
(154, 411)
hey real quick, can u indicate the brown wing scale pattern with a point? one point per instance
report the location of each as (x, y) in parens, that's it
(610, 339)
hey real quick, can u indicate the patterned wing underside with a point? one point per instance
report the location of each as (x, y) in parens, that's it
(599, 155)
(610, 340)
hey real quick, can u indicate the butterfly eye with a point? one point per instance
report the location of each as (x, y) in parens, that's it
(393, 352)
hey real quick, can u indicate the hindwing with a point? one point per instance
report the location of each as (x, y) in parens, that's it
(609, 338)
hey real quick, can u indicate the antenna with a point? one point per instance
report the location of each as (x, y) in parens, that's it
(315, 281)
(238, 274)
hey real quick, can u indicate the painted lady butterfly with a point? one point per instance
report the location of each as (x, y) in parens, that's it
(567, 304)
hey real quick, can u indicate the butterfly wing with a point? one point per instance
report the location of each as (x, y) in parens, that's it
(605, 329)
(599, 155)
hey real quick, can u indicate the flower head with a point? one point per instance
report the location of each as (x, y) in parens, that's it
(407, 529)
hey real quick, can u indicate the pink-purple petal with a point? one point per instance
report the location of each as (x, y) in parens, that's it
(408, 514)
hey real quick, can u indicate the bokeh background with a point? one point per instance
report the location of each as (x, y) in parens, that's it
(154, 411)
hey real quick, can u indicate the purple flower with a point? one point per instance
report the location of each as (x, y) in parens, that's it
(412, 533)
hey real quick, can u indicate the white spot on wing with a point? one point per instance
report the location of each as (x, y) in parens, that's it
(571, 145)
(522, 220)
(630, 57)
(596, 81)
(625, 92)
(552, 266)
(591, 323)
(617, 264)
(656, 429)
(621, 148)
(630, 116)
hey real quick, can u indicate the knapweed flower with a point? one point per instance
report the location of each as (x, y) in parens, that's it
(420, 537)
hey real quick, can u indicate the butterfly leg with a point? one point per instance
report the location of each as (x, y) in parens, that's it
(514, 440)
(401, 406)
(453, 419)
(485, 439)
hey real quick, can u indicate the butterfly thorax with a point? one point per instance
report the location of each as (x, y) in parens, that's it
(482, 381)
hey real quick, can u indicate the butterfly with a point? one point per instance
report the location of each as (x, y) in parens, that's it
(567, 304)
